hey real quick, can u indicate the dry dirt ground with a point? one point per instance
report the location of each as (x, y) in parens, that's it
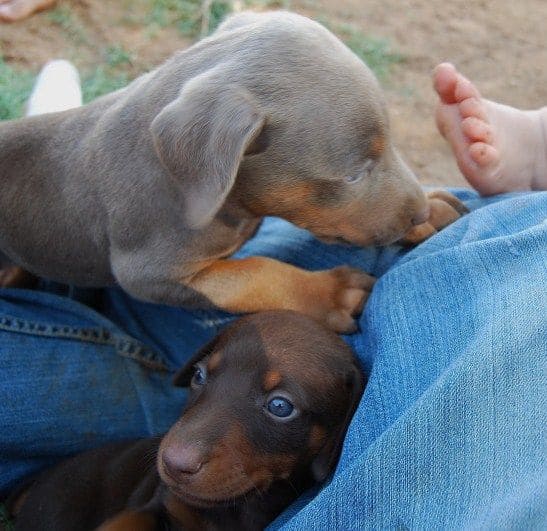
(501, 44)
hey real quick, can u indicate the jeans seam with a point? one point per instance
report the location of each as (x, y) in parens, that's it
(126, 347)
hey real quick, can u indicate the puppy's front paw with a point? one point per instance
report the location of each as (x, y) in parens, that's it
(16, 277)
(344, 291)
(445, 208)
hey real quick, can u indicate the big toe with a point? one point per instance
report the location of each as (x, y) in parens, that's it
(451, 85)
(445, 77)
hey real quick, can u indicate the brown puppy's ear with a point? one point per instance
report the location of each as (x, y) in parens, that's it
(184, 376)
(201, 137)
(326, 460)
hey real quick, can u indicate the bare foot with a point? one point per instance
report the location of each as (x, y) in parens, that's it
(498, 148)
(14, 10)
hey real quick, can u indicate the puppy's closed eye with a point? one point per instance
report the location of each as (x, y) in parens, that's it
(362, 173)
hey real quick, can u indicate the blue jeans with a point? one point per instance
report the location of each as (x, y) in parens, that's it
(450, 432)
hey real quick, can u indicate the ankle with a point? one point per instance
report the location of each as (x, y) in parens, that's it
(539, 181)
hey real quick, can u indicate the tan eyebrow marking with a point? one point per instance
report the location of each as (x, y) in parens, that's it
(214, 361)
(271, 380)
(317, 437)
(378, 146)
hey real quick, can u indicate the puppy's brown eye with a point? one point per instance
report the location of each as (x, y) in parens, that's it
(362, 173)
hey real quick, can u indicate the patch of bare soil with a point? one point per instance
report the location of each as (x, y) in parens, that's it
(499, 44)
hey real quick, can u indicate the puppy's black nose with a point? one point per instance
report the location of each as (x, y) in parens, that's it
(183, 459)
(421, 217)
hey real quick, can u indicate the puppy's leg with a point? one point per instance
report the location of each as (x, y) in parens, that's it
(332, 297)
(445, 208)
(132, 521)
(253, 284)
(57, 88)
(16, 277)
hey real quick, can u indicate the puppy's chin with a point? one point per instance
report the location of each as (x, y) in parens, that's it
(378, 240)
(195, 501)
(198, 502)
(389, 237)
(384, 241)
(340, 239)
(335, 240)
(186, 494)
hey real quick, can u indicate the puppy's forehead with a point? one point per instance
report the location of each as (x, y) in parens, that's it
(284, 347)
(240, 347)
(279, 348)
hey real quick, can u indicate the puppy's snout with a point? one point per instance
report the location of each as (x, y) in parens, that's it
(182, 459)
(421, 217)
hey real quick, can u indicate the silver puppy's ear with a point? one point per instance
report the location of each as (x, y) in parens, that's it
(201, 137)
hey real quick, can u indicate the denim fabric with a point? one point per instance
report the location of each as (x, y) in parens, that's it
(451, 429)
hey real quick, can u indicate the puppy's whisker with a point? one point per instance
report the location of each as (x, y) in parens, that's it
(148, 460)
(288, 480)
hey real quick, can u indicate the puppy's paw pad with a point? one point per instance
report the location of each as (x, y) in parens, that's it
(349, 277)
(341, 321)
(16, 277)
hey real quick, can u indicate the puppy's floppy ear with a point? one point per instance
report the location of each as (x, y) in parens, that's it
(326, 460)
(201, 137)
(184, 376)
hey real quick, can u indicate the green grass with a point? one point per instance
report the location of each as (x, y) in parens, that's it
(188, 15)
(16, 84)
(375, 52)
(118, 66)
(15, 88)
(109, 76)
(117, 55)
(267, 4)
(63, 17)
(102, 80)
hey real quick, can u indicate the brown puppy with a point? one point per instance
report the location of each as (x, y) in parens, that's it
(155, 185)
(270, 400)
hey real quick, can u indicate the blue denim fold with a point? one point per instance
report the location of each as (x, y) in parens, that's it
(450, 433)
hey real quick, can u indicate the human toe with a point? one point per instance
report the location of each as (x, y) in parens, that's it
(465, 89)
(444, 81)
(477, 130)
(473, 107)
(483, 154)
